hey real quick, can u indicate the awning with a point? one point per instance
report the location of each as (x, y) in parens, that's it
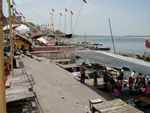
(113, 60)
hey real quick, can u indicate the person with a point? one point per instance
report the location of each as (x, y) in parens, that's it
(132, 74)
(82, 71)
(132, 102)
(131, 81)
(116, 91)
(125, 89)
(147, 88)
(95, 75)
(139, 80)
(105, 77)
(121, 75)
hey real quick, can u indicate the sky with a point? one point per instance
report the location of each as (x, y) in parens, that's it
(128, 17)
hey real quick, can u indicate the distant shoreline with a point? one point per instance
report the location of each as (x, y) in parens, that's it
(142, 37)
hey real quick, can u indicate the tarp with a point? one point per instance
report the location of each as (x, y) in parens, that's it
(42, 40)
(113, 60)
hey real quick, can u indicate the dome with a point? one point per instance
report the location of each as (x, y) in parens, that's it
(22, 29)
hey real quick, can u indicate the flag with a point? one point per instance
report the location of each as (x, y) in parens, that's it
(84, 1)
(147, 44)
(16, 12)
(60, 14)
(66, 9)
(21, 14)
(71, 12)
(53, 10)
(23, 17)
(13, 2)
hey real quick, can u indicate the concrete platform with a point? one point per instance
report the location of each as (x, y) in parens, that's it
(56, 89)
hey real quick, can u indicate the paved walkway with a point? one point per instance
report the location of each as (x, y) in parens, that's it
(56, 89)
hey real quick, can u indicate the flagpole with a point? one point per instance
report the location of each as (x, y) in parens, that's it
(71, 31)
(78, 17)
(112, 35)
(65, 24)
(11, 38)
(51, 19)
(52, 23)
(60, 22)
(2, 84)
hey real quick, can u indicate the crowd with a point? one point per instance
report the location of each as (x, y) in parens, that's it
(119, 85)
(122, 86)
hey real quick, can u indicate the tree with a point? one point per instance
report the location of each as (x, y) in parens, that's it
(58, 32)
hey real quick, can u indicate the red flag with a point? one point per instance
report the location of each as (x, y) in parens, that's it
(84, 1)
(147, 44)
(16, 12)
(53, 10)
(66, 9)
(71, 12)
(13, 2)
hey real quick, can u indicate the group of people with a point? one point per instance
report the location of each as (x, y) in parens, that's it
(121, 85)
(82, 72)
(134, 83)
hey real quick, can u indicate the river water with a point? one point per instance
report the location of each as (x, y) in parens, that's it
(122, 44)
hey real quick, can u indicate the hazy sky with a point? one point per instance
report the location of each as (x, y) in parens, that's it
(128, 17)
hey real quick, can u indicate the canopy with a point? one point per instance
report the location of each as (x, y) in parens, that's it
(22, 29)
(114, 60)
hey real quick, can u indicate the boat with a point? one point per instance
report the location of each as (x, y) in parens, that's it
(67, 35)
(102, 48)
(96, 44)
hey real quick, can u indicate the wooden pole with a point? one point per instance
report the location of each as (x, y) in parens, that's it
(112, 35)
(2, 74)
(10, 20)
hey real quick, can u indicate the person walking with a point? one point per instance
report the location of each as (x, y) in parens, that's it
(95, 75)
(82, 71)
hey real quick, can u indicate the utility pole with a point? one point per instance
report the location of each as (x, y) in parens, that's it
(112, 35)
(10, 20)
(2, 84)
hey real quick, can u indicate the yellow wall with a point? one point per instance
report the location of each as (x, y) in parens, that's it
(19, 43)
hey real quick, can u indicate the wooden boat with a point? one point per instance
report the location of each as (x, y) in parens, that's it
(66, 35)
